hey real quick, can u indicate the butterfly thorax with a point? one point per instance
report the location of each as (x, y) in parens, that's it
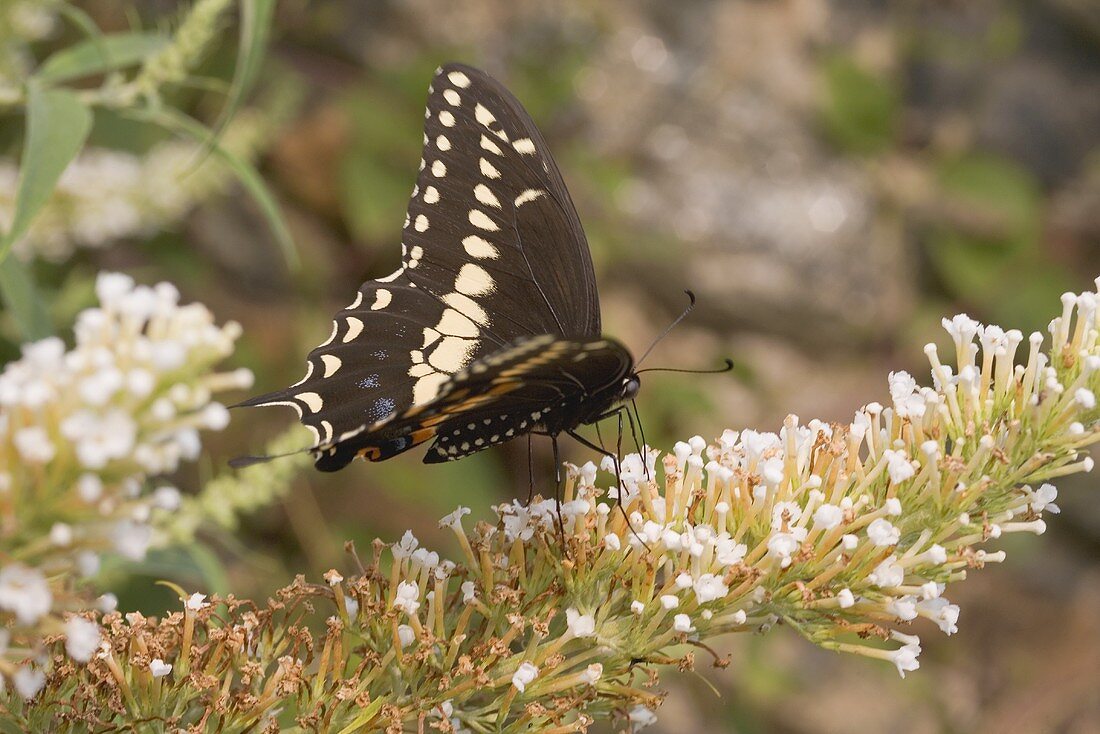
(542, 384)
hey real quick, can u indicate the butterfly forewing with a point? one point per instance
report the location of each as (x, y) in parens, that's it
(492, 252)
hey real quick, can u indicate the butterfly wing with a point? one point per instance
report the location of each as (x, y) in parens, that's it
(542, 383)
(492, 252)
(491, 218)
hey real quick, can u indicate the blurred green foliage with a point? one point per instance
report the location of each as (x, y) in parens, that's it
(860, 111)
(988, 249)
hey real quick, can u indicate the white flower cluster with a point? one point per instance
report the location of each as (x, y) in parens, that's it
(127, 401)
(82, 430)
(106, 195)
(829, 515)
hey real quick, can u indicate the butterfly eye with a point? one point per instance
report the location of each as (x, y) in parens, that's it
(631, 385)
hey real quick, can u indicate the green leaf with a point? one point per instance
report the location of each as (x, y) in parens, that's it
(998, 191)
(860, 111)
(22, 300)
(80, 19)
(256, 18)
(57, 126)
(99, 55)
(249, 177)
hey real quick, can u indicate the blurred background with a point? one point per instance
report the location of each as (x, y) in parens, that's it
(830, 178)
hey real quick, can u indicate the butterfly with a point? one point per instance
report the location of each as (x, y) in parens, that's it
(490, 328)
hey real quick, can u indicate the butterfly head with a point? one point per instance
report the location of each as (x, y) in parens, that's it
(631, 385)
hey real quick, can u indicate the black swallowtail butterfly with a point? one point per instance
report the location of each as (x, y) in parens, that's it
(490, 329)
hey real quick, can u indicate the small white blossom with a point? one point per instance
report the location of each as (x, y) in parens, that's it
(407, 597)
(454, 520)
(1085, 398)
(524, 675)
(882, 533)
(905, 657)
(785, 512)
(469, 592)
(132, 539)
(942, 612)
(709, 587)
(931, 590)
(845, 598)
(637, 607)
(580, 625)
(167, 498)
(828, 516)
(784, 545)
(61, 534)
(196, 602)
(89, 487)
(908, 402)
(28, 681)
(424, 558)
(893, 507)
(936, 555)
(887, 574)
(670, 601)
(82, 638)
(641, 717)
(1042, 499)
(904, 608)
(592, 674)
(728, 552)
(682, 623)
(898, 466)
(107, 603)
(406, 546)
(962, 328)
(405, 635)
(611, 542)
(87, 563)
(25, 593)
(34, 445)
(159, 668)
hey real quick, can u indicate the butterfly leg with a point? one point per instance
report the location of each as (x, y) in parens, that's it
(530, 471)
(558, 489)
(618, 468)
(645, 448)
(614, 457)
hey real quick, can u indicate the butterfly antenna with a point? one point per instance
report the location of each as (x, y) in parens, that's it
(720, 370)
(670, 327)
(241, 462)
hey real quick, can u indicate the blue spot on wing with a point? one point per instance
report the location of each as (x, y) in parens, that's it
(381, 408)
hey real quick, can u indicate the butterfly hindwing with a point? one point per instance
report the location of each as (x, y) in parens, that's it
(544, 384)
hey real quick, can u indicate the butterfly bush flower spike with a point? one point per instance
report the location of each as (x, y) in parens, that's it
(850, 534)
(83, 433)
